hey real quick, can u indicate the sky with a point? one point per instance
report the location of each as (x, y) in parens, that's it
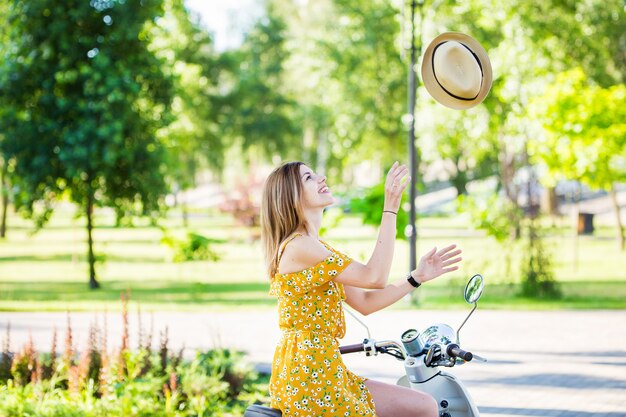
(226, 19)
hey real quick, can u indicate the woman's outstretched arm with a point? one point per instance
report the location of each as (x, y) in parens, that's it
(375, 273)
(431, 265)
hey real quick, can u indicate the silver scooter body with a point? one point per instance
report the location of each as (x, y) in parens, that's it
(424, 354)
(436, 348)
(449, 392)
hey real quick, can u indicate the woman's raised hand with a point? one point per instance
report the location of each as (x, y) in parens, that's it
(397, 181)
(436, 263)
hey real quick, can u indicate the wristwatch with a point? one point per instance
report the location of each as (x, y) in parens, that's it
(412, 281)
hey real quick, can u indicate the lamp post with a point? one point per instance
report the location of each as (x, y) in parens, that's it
(411, 230)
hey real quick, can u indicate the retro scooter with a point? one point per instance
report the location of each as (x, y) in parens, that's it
(424, 355)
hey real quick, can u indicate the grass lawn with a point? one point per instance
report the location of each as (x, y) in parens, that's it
(48, 270)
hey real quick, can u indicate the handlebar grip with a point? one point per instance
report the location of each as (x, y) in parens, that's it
(455, 351)
(359, 347)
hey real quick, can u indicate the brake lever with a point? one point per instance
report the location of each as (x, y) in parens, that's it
(432, 351)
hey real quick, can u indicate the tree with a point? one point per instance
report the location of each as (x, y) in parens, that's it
(462, 141)
(194, 140)
(260, 114)
(4, 163)
(365, 51)
(588, 34)
(4, 196)
(521, 66)
(500, 144)
(84, 97)
(585, 134)
(346, 72)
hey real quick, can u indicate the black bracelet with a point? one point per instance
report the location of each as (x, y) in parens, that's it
(412, 281)
(389, 211)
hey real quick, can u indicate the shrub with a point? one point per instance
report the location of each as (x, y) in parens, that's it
(537, 271)
(195, 248)
(139, 382)
(370, 207)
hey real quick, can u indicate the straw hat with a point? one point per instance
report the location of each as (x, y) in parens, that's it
(456, 71)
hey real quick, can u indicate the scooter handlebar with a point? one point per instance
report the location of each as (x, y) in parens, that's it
(359, 347)
(455, 351)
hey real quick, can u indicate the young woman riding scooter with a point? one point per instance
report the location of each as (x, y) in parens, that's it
(311, 279)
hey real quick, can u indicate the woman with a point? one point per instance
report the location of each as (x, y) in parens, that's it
(311, 279)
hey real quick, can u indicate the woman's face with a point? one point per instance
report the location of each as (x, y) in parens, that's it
(315, 192)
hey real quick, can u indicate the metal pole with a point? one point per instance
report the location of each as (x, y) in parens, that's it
(411, 231)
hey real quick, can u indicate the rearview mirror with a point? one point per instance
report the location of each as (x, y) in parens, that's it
(474, 288)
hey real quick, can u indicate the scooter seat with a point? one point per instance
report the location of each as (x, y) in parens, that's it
(260, 411)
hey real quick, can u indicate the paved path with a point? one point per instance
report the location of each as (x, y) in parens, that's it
(540, 363)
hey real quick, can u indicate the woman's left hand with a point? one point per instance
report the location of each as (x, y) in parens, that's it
(436, 263)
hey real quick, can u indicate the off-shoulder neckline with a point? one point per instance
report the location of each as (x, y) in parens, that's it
(326, 245)
(332, 254)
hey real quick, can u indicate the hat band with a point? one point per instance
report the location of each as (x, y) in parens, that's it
(443, 88)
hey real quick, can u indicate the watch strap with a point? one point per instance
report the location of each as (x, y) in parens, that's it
(412, 281)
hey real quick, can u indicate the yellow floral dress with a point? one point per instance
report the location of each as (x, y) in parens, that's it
(309, 378)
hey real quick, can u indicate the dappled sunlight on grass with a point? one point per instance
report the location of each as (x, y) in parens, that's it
(48, 270)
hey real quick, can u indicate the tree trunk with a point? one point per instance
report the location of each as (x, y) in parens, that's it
(4, 183)
(618, 217)
(3, 221)
(93, 283)
(550, 201)
(507, 174)
(459, 182)
(459, 178)
(185, 211)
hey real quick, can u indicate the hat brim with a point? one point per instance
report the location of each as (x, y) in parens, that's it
(437, 91)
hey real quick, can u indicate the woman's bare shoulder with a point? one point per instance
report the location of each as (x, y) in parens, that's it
(301, 253)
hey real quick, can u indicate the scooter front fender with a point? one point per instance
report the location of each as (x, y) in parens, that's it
(449, 391)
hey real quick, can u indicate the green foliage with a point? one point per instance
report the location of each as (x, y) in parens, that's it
(349, 51)
(82, 97)
(261, 113)
(23, 368)
(370, 205)
(332, 218)
(195, 248)
(591, 34)
(492, 214)
(227, 366)
(463, 142)
(233, 283)
(537, 271)
(193, 140)
(585, 129)
(216, 383)
(6, 361)
(90, 94)
(498, 217)
(364, 54)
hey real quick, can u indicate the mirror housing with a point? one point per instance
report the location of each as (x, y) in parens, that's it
(474, 289)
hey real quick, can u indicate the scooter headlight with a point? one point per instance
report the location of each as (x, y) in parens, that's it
(440, 334)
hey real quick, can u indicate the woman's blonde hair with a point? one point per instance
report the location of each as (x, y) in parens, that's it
(281, 211)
